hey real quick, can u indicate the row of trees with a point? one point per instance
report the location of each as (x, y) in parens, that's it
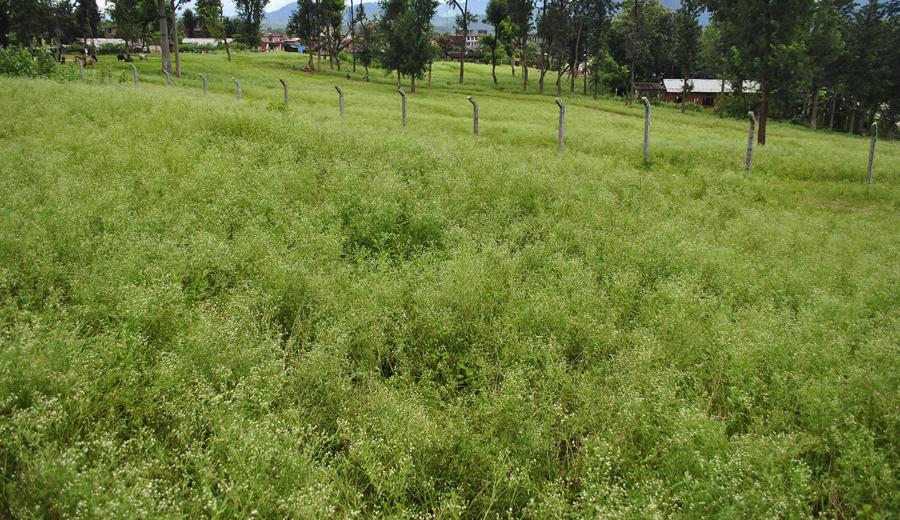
(832, 62)
(22, 21)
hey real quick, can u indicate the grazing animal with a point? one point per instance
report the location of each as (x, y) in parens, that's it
(120, 57)
(143, 57)
(89, 62)
(62, 60)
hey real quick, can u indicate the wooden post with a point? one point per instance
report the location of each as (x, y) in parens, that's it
(646, 129)
(871, 155)
(239, 87)
(81, 69)
(475, 104)
(285, 91)
(135, 73)
(562, 124)
(168, 77)
(750, 143)
(403, 94)
(205, 89)
(341, 95)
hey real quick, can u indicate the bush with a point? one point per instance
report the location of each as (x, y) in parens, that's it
(18, 62)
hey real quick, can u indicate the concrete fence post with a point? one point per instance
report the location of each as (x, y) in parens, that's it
(646, 129)
(81, 69)
(168, 78)
(133, 68)
(285, 90)
(403, 94)
(871, 155)
(749, 160)
(205, 88)
(341, 96)
(236, 82)
(474, 104)
(562, 124)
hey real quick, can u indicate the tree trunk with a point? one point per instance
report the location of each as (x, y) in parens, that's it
(164, 36)
(630, 96)
(763, 112)
(525, 62)
(494, 59)
(853, 115)
(429, 74)
(559, 82)
(462, 55)
(575, 60)
(412, 84)
(175, 39)
(353, 34)
(722, 93)
(227, 50)
(398, 79)
(815, 108)
(833, 106)
(684, 92)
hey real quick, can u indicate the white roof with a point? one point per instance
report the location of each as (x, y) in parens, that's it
(706, 85)
(203, 41)
(101, 41)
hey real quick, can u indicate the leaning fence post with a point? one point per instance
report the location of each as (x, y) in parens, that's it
(109, 70)
(562, 124)
(403, 94)
(81, 69)
(341, 94)
(168, 78)
(238, 85)
(871, 155)
(205, 90)
(285, 91)
(646, 129)
(135, 73)
(750, 143)
(474, 104)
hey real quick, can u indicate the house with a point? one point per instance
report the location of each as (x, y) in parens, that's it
(702, 92)
(272, 42)
(649, 90)
(469, 39)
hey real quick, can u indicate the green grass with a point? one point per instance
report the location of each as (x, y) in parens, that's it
(208, 308)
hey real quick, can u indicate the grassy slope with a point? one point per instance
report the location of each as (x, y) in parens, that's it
(302, 315)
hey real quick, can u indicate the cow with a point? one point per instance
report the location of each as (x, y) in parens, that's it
(120, 57)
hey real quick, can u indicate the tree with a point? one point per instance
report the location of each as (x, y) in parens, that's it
(462, 22)
(823, 48)
(367, 38)
(252, 12)
(521, 13)
(768, 39)
(687, 41)
(87, 18)
(642, 28)
(189, 20)
(163, 36)
(495, 13)
(304, 23)
(404, 34)
(445, 44)
(334, 16)
(211, 10)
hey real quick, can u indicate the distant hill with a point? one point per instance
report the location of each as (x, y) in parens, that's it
(443, 21)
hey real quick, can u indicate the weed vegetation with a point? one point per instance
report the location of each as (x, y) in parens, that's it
(223, 308)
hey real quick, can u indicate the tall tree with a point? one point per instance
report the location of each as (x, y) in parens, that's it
(597, 15)
(87, 16)
(521, 13)
(304, 23)
(163, 36)
(404, 34)
(687, 41)
(768, 40)
(252, 12)
(824, 47)
(189, 21)
(495, 13)
(215, 26)
(462, 21)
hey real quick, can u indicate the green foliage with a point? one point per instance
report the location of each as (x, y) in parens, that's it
(17, 61)
(310, 316)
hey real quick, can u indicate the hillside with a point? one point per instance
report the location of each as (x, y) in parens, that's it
(213, 307)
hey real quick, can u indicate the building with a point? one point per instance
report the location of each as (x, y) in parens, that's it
(468, 39)
(702, 92)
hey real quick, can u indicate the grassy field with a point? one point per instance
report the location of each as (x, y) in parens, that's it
(223, 308)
